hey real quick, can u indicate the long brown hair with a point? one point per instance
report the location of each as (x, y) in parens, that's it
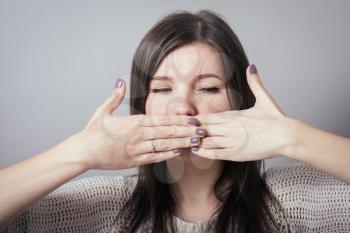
(249, 206)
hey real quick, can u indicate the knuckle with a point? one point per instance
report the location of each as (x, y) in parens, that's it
(157, 157)
(140, 135)
(207, 142)
(190, 130)
(187, 141)
(163, 120)
(214, 155)
(129, 151)
(171, 131)
(211, 142)
(154, 157)
(164, 145)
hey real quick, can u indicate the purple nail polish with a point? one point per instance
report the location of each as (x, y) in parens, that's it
(119, 83)
(201, 132)
(195, 148)
(193, 121)
(253, 69)
(177, 151)
(194, 140)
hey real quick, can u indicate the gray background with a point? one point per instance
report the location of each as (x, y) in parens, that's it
(59, 61)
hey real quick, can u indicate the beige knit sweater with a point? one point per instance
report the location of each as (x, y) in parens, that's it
(313, 200)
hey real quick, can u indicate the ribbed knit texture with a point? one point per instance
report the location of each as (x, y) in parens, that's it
(313, 200)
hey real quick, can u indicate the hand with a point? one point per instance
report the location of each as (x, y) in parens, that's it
(257, 133)
(111, 142)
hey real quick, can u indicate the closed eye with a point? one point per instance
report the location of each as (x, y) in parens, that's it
(207, 89)
(160, 90)
(211, 89)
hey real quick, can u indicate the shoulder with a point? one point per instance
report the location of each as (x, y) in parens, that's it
(313, 200)
(92, 187)
(96, 199)
(302, 176)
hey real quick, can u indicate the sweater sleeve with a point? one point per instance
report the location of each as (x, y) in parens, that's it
(313, 200)
(17, 224)
(85, 205)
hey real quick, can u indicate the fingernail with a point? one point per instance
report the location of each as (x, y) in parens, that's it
(193, 121)
(201, 132)
(195, 148)
(177, 151)
(252, 69)
(119, 83)
(194, 140)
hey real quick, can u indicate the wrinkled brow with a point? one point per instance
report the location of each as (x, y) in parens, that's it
(201, 76)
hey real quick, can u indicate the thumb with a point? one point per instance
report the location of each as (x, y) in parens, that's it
(113, 101)
(263, 98)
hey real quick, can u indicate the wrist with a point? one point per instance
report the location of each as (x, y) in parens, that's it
(74, 151)
(292, 134)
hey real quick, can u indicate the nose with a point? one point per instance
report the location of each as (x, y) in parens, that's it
(182, 105)
(185, 107)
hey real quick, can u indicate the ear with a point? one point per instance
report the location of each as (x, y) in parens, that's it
(263, 98)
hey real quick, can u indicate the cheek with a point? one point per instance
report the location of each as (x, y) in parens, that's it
(155, 105)
(204, 104)
(214, 103)
(147, 106)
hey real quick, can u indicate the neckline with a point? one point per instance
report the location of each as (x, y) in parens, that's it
(198, 223)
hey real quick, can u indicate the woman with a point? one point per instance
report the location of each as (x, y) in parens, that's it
(201, 123)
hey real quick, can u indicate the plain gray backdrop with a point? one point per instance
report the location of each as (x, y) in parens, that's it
(59, 61)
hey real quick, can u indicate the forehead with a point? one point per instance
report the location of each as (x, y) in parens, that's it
(190, 60)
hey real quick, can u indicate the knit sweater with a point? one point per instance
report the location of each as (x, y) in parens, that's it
(313, 201)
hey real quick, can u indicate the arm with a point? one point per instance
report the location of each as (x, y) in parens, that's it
(264, 131)
(107, 142)
(323, 150)
(26, 182)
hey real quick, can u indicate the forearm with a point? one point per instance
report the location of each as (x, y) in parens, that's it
(26, 182)
(323, 150)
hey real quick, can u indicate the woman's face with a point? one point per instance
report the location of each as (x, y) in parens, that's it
(189, 81)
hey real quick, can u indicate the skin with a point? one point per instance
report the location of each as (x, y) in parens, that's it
(260, 132)
(114, 142)
(183, 94)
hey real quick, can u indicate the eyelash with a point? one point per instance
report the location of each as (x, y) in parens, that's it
(212, 90)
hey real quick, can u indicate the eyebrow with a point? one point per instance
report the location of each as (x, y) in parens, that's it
(201, 76)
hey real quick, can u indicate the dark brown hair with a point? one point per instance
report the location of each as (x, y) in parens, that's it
(249, 205)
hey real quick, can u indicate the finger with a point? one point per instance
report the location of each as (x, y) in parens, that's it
(218, 130)
(216, 142)
(156, 157)
(263, 98)
(256, 85)
(160, 132)
(163, 145)
(164, 120)
(172, 131)
(171, 144)
(113, 101)
(212, 118)
(219, 154)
